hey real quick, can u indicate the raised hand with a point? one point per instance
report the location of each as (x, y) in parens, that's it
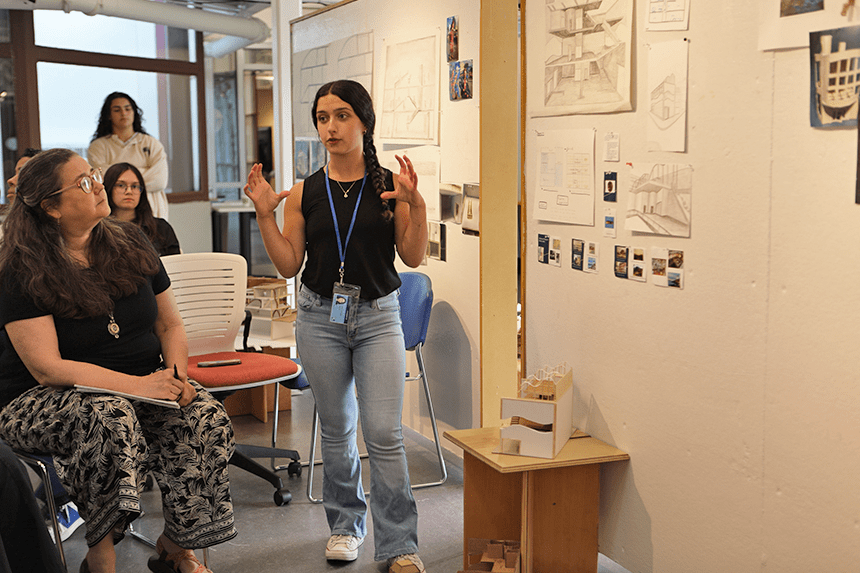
(261, 193)
(405, 184)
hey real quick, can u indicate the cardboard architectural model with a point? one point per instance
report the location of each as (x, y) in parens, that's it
(541, 417)
(268, 301)
(494, 556)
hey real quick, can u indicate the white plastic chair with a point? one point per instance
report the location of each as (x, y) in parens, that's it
(210, 290)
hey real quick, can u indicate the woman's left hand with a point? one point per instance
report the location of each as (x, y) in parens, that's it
(405, 184)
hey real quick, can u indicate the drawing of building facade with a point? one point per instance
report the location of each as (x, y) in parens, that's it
(837, 79)
(587, 55)
(660, 201)
(666, 103)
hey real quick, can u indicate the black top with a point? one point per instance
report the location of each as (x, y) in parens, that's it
(137, 351)
(166, 243)
(370, 253)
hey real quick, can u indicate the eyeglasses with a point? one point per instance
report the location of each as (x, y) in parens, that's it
(121, 186)
(86, 183)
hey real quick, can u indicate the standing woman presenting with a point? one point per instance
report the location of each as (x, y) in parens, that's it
(349, 218)
(120, 137)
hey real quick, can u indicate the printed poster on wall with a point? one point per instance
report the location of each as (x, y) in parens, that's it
(833, 78)
(564, 190)
(787, 23)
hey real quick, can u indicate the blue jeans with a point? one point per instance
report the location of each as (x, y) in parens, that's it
(357, 369)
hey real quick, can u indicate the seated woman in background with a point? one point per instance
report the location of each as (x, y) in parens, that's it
(85, 300)
(126, 194)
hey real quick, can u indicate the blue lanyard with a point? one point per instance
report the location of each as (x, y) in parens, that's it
(341, 247)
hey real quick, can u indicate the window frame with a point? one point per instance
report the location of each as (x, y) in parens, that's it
(26, 54)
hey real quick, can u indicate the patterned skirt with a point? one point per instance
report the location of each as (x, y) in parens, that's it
(103, 447)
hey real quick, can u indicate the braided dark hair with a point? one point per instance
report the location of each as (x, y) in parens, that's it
(355, 95)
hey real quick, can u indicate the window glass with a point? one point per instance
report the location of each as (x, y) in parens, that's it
(175, 128)
(7, 124)
(4, 27)
(110, 35)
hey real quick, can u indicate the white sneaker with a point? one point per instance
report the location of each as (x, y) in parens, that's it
(343, 547)
(410, 563)
(68, 519)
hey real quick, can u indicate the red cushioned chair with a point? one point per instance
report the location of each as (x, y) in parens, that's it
(210, 290)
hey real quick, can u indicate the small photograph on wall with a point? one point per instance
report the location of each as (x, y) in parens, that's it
(453, 39)
(834, 59)
(543, 248)
(576, 250)
(621, 261)
(610, 186)
(302, 159)
(792, 7)
(460, 80)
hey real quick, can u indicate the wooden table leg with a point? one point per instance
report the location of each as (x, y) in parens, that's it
(564, 504)
(492, 503)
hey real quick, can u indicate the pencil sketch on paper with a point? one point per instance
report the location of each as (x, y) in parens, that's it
(583, 48)
(410, 92)
(835, 76)
(667, 105)
(660, 199)
(667, 84)
(350, 58)
(668, 15)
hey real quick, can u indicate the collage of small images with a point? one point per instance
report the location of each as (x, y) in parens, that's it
(665, 266)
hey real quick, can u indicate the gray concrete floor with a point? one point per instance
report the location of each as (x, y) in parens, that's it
(292, 537)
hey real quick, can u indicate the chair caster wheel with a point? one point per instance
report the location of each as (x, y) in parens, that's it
(282, 497)
(294, 469)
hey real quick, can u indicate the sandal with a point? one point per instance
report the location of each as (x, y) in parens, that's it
(169, 562)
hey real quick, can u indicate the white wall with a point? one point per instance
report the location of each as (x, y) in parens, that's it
(192, 222)
(735, 397)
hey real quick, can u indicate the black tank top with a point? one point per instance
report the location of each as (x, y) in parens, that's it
(370, 253)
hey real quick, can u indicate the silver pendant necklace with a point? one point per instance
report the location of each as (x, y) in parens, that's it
(346, 192)
(113, 327)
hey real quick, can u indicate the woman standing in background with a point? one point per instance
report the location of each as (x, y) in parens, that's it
(120, 137)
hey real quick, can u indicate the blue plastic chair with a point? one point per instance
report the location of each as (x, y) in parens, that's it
(416, 303)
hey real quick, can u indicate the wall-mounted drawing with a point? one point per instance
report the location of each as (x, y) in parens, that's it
(664, 15)
(834, 57)
(659, 199)
(583, 48)
(350, 58)
(410, 90)
(667, 84)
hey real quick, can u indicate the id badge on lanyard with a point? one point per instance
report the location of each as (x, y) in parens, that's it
(344, 295)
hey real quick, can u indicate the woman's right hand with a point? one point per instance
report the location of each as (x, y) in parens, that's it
(261, 193)
(162, 385)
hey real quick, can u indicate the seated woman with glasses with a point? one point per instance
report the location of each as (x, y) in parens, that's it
(126, 194)
(85, 301)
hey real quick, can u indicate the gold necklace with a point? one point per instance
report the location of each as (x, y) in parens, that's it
(345, 192)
